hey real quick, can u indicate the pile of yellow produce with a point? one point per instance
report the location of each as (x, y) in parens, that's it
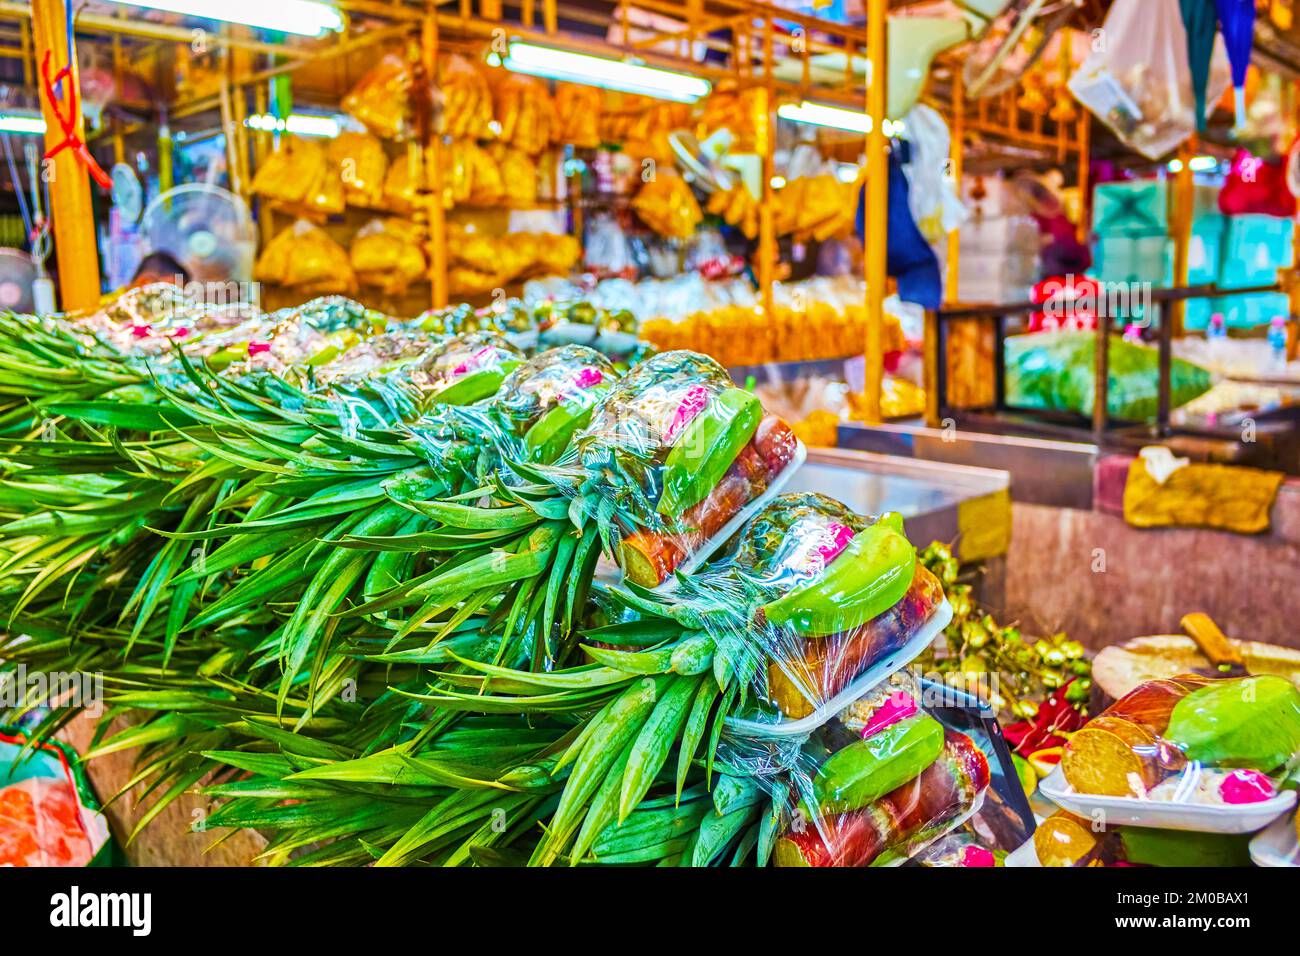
(667, 205)
(303, 257)
(740, 335)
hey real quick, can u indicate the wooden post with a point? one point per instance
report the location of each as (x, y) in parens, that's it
(1085, 172)
(877, 216)
(70, 207)
(765, 140)
(956, 149)
(1184, 201)
(433, 179)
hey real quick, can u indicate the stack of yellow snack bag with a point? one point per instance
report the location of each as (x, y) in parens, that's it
(381, 99)
(388, 254)
(742, 335)
(466, 99)
(667, 205)
(362, 165)
(293, 172)
(518, 176)
(579, 112)
(303, 257)
(526, 113)
(400, 184)
(479, 263)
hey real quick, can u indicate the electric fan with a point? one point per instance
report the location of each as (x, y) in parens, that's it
(17, 276)
(208, 230)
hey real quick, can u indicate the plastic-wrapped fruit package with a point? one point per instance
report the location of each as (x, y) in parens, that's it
(387, 254)
(1189, 740)
(673, 456)
(545, 401)
(814, 597)
(362, 165)
(464, 369)
(381, 98)
(878, 783)
(668, 206)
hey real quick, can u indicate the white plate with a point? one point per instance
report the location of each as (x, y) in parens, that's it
(1197, 817)
(608, 572)
(1024, 855)
(875, 674)
(1276, 845)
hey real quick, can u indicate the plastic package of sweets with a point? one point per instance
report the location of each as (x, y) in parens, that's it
(1214, 743)
(677, 458)
(877, 783)
(820, 603)
(48, 813)
(545, 401)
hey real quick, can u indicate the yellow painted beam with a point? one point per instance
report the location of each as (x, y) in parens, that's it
(876, 219)
(70, 208)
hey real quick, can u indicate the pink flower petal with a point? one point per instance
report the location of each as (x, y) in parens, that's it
(691, 405)
(899, 706)
(841, 535)
(1246, 786)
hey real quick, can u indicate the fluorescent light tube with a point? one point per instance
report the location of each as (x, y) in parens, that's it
(303, 17)
(608, 74)
(836, 117)
(14, 123)
(299, 124)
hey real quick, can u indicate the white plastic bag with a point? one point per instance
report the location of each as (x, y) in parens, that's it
(1137, 80)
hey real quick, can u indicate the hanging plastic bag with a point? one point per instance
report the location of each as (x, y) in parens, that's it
(361, 163)
(387, 254)
(381, 99)
(292, 172)
(466, 99)
(579, 112)
(935, 205)
(1139, 83)
(667, 205)
(304, 256)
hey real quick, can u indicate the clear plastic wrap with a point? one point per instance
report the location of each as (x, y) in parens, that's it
(816, 604)
(545, 401)
(1189, 739)
(875, 784)
(1139, 82)
(1054, 371)
(675, 455)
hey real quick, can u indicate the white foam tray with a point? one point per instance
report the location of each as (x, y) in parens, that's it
(1276, 845)
(1165, 815)
(876, 674)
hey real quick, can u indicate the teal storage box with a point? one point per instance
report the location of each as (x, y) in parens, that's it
(1140, 207)
(1251, 311)
(1197, 312)
(1254, 249)
(1134, 208)
(1205, 250)
(1133, 259)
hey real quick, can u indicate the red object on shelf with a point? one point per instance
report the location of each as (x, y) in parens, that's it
(1069, 302)
(1256, 186)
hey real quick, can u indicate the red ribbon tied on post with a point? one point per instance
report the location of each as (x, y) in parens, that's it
(68, 123)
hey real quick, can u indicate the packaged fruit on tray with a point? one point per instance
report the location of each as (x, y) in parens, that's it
(876, 784)
(545, 401)
(1189, 753)
(817, 604)
(674, 460)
